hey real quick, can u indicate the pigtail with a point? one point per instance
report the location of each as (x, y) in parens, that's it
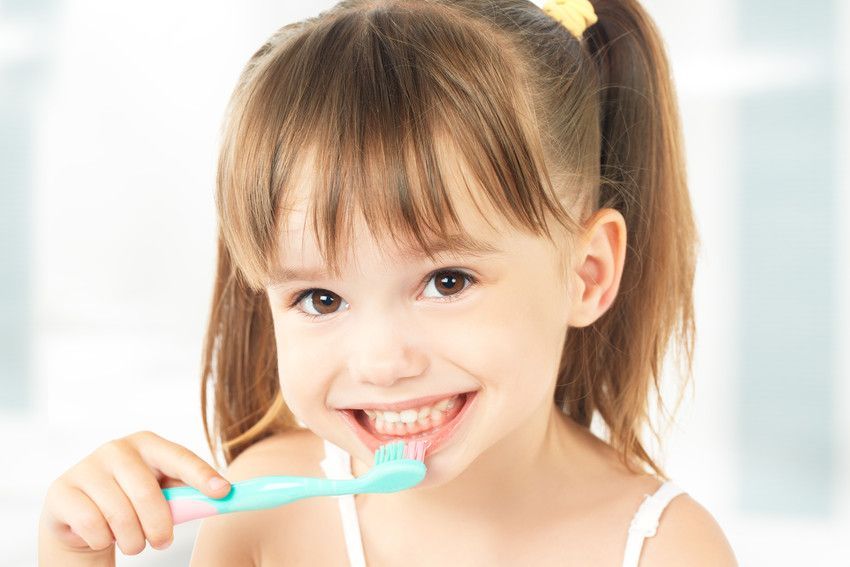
(610, 366)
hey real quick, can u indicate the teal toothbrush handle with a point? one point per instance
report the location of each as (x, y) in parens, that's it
(188, 503)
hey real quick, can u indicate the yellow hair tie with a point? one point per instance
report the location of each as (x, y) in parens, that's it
(575, 15)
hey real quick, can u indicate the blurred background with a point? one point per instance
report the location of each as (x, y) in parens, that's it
(109, 125)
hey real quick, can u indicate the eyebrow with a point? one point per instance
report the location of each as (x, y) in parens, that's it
(461, 247)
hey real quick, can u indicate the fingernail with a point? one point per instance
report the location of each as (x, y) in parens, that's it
(217, 483)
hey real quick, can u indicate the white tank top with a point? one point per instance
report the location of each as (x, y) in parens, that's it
(337, 464)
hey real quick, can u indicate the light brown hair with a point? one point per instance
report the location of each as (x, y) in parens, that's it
(552, 127)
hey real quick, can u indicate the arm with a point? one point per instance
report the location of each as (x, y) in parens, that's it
(687, 535)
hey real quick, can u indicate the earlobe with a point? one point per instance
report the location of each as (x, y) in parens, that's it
(599, 267)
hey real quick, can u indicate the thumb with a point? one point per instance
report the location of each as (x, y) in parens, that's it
(217, 486)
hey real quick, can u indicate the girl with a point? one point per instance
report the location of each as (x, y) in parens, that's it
(462, 220)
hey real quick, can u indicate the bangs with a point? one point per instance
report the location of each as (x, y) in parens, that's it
(391, 113)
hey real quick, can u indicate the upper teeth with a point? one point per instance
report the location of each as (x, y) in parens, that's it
(414, 414)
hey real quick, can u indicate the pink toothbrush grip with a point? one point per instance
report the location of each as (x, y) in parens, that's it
(187, 510)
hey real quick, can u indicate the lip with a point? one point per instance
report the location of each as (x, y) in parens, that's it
(435, 438)
(408, 404)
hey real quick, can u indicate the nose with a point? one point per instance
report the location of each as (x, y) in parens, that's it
(384, 351)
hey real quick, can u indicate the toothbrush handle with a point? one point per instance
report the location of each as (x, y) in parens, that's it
(188, 503)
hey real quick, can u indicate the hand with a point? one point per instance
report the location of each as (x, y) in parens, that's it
(115, 495)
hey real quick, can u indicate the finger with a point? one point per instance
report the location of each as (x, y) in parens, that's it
(178, 462)
(118, 511)
(168, 482)
(85, 528)
(141, 487)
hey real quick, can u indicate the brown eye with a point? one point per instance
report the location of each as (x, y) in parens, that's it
(449, 282)
(322, 301)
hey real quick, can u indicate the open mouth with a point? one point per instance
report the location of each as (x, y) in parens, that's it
(435, 429)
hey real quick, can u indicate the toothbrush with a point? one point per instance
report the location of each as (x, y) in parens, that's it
(398, 466)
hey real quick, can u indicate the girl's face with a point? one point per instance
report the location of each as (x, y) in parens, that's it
(397, 328)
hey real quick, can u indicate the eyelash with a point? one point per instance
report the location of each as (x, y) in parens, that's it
(300, 295)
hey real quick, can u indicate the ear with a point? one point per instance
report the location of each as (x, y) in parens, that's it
(598, 267)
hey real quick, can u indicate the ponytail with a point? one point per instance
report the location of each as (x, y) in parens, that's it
(610, 365)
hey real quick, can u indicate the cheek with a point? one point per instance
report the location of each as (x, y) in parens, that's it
(511, 339)
(300, 375)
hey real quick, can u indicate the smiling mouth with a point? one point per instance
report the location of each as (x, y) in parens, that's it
(420, 428)
(434, 434)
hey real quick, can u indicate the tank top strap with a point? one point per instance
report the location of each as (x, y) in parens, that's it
(645, 521)
(337, 465)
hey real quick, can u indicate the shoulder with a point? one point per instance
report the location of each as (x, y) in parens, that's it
(687, 534)
(236, 539)
(297, 451)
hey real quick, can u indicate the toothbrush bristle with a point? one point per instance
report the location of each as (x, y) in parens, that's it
(415, 450)
(395, 450)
